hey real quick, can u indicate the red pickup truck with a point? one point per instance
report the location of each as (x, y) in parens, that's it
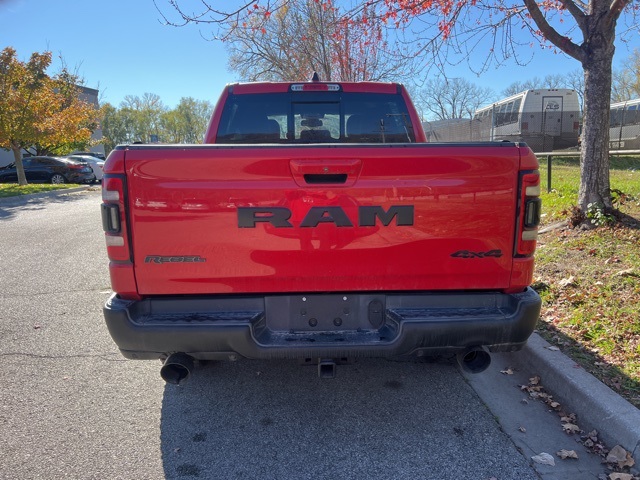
(316, 223)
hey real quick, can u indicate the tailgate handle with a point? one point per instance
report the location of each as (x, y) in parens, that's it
(326, 172)
(324, 178)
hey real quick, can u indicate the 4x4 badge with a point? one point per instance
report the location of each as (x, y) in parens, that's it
(469, 254)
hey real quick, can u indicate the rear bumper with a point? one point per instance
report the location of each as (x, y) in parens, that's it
(321, 325)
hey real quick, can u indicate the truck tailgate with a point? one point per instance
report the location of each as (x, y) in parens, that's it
(299, 218)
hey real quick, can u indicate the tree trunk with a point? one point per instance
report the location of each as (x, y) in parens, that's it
(594, 158)
(17, 157)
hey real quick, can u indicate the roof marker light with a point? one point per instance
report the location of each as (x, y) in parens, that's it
(315, 87)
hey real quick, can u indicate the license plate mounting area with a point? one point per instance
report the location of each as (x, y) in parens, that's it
(325, 313)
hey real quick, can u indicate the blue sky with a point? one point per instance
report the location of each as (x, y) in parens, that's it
(122, 48)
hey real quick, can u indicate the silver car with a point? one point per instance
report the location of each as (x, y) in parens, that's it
(95, 163)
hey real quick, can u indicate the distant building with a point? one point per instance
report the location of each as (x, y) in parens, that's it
(89, 95)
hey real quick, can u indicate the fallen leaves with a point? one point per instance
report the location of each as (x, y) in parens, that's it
(613, 259)
(537, 391)
(629, 272)
(620, 476)
(593, 444)
(590, 290)
(571, 428)
(544, 459)
(591, 281)
(620, 457)
(564, 454)
(568, 282)
(615, 382)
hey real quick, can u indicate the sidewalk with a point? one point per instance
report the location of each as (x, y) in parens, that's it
(596, 406)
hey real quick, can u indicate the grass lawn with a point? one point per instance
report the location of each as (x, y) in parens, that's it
(589, 279)
(13, 189)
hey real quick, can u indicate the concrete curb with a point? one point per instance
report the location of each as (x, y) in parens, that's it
(18, 199)
(596, 405)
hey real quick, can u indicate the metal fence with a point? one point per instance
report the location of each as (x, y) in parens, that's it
(549, 158)
(544, 131)
(625, 136)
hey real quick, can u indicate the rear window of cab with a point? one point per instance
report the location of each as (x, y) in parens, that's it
(315, 117)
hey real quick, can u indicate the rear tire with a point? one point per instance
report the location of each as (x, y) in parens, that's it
(58, 179)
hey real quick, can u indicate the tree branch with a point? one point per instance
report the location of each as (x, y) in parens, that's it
(616, 8)
(577, 13)
(551, 34)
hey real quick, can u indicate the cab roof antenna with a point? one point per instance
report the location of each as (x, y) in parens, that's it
(316, 77)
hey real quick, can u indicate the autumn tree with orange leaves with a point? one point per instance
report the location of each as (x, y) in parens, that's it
(39, 110)
(485, 33)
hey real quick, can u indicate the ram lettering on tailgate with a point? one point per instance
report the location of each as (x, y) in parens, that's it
(279, 217)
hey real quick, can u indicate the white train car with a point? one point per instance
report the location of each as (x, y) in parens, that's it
(624, 131)
(546, 119)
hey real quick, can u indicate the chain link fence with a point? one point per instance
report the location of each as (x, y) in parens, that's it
(624, 133)
(543, 132)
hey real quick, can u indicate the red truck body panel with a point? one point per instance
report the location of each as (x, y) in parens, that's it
(463, 199)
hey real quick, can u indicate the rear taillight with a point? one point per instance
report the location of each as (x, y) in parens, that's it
(113, 218)
(79, 167)
(529, 210)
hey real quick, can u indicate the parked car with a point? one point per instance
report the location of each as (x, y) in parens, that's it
(49, 170)
(99, 156)
(95, 163)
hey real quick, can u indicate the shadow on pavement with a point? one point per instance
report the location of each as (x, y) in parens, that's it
(10, 206)
(376, 419)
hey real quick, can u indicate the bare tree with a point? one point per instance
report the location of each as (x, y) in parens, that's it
(575, 80)
(519, 86)
(291, 40)
(626, 81)
(549, 81)
(444, 99)
(279, 49)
